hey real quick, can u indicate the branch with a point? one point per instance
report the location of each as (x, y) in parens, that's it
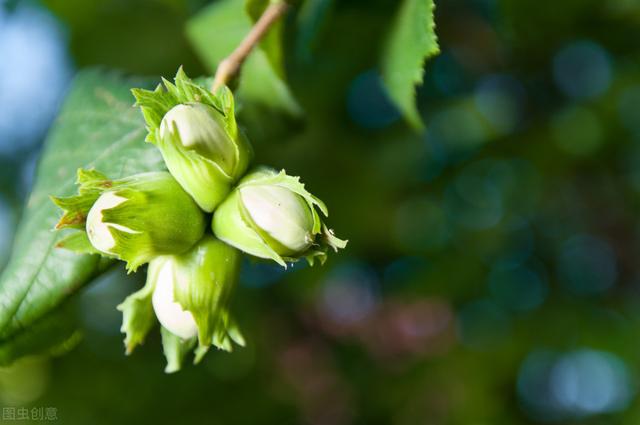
(230, 66)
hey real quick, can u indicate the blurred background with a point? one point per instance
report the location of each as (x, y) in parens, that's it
(491, 274)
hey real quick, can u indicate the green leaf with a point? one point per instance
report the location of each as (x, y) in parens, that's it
(216, 32)
(310, 23)
(53, 334)
(97, 128)
(411, 42)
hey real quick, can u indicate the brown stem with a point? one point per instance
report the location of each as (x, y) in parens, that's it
(229, 67)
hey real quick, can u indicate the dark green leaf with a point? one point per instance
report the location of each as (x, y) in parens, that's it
(310, 22)
(55, 333)
(97, 128)
(411, 42)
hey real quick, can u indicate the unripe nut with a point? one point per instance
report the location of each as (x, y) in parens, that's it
(281, 215)
(97, 230)
(169, 312)
(201, 128)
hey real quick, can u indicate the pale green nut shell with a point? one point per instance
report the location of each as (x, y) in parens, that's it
(142, 217)
(201, 128)
(192, 292)
(99, 232)
(282, 218)
(255, 215)
(170, 313)
(204, 151)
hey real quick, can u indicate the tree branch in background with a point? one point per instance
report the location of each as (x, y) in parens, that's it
(230, 66)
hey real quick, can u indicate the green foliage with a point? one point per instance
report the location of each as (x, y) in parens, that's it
(412, 40)
(55, 333)
(142, 37)
(310, 21)
(96, 128)
(215, 33)
(448, 233)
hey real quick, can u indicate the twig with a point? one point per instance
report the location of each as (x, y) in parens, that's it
(229, 67)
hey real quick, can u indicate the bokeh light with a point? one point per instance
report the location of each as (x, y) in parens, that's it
(34, 72)
(587, 265)
(587, 382)
(98, 303)
(582, 70)
(459, 128)
(258, 274)
(500, 99)
(483, 324)
(629, 108)
(447, 75)
(475, 198)
(519, 244)
(519, 288)
(7, 228)
(404, 271)
(368, 103)
(577, 130)
(436, 159)
(629, 159)
(556, 386)
(24, 381)
(421, 225)
(349, 293)
(491, 272)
